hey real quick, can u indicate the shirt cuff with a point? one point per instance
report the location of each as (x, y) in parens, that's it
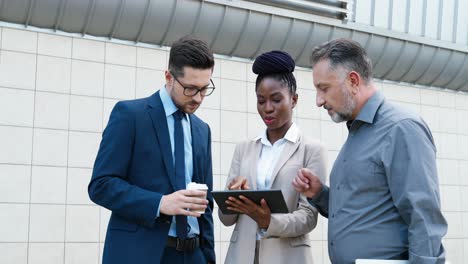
(159, 207)
(317, 199)
(261, 232)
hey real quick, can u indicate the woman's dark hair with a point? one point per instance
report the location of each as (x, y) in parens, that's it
(277, 65)
(192, 52)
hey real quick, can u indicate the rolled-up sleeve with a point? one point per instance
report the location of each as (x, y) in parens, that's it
(409, 159)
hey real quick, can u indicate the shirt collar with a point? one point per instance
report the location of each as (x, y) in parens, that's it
(368, 112)
(292, 135)
(169, 106)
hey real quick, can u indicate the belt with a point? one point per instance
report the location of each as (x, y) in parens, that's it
(188, 244)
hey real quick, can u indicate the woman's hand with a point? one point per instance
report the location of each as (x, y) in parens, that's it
(243, 205)
(239, 183)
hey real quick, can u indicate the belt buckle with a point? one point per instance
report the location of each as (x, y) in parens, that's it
(180, 245)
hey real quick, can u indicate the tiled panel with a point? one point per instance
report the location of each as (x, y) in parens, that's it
(152, 59)
(82, 223)
(233, 126)
(120, 54)
(77, 186)
(47, 223)
(119, 82)
(87, 78)
(16, 107)
(54, 45)
(14, 227)
(19, 40)
(48, 184)
(91, 50)
(46, 253)
(16, 144)
(148, 82)
(51, 110)
(14, 183)
(233, 95)
(233, 70)
(53, 74)
(86, 113)
(17, 70)
(50, 147)
(13, 253)
(78, 253)
(83, 148)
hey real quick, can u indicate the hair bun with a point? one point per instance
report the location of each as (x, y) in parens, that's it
(273, 62)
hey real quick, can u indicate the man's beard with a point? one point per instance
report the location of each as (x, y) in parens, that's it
(348, 108)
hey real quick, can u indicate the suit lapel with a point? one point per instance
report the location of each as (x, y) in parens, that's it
(159, 120)
(253, 168)
(288, 151)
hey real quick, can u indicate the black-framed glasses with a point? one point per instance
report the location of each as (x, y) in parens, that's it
(192, 91)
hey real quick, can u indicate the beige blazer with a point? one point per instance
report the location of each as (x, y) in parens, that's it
(286, 240)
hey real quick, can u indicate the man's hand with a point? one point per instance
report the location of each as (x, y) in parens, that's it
(307, 183)
(260, 214)
(178, 203)
(239, 183)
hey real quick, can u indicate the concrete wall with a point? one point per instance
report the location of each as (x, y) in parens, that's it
(56, 93)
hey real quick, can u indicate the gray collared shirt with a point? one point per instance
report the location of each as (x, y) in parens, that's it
(383, 201)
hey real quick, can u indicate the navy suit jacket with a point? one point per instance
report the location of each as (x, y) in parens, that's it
(134, 169)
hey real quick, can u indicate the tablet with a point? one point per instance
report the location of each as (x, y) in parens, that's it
(274, 199)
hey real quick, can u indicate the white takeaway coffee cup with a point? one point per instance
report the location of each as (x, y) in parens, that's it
(199, 187)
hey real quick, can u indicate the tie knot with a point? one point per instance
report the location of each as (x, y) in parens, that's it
(179, 115)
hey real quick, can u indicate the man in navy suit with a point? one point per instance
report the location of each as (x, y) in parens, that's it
(150, 150)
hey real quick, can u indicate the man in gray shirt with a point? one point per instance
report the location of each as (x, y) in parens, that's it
(383, 200)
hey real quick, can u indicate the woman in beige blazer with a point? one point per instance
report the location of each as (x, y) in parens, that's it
(271, 161)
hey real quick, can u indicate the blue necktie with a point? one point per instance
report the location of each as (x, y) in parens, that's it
(179, 150)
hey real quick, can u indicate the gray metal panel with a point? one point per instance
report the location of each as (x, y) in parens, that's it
(245, 29)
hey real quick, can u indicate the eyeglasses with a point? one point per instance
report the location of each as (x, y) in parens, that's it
(192, 91)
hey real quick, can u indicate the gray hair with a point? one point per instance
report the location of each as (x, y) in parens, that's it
(346, 53)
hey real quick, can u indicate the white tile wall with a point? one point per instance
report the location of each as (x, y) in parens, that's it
(87, 78)
(19, 40)
(83, 147)
(14, 183)
(16, 107)
(46, 253)
(50, 147)
(78, 253)
(51, 110)
(119, 82)
(148, 82)
(233, 70)
(15, 219)
(17, 70)
(54, 121)
(86, 113)
(14, 253)
(16, 145)
(48, 184)
(82, 223)
(233, 95)
(152, 59)
(77, 186)
(53, 74)
(120, 54)
(233, 126)
(54, 45)
(47, 223)
(85, 49)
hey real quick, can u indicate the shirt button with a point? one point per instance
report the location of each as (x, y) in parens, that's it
(333, 215)
(332, 244)
(338, 187)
